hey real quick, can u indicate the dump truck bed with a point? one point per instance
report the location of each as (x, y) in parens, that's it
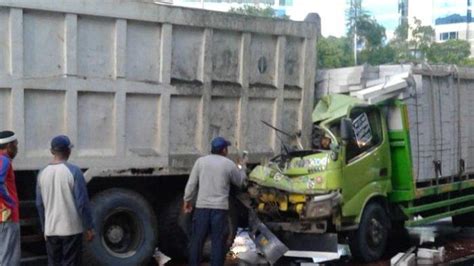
(139, 85)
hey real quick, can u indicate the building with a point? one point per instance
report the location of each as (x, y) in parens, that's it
(451, 19)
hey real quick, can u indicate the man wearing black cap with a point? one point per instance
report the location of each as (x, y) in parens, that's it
(9, 214)
(63, 206)
(210, 178)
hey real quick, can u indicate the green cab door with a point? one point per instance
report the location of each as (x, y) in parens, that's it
(366, 170)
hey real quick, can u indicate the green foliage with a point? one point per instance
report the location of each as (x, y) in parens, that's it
(450, 52)
(377, 56)
(370, 33)
(468, 62)
(400, 45)
(337, 52)
(353, 13)
(401, 32)
(334, 52)
(256, 11)
(417, 48)
(422, 38)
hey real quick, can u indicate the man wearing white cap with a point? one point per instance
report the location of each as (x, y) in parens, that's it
(9, 213)
(63, 206)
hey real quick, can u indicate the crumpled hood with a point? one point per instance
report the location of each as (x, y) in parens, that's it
(322, 175)
(333, 106)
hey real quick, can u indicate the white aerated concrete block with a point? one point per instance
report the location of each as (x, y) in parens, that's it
(409, 260)
(434, 255)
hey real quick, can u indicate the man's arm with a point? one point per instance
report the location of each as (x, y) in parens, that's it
(4, 166)
(238, 176)
(191, 187)
(193, 181)
(81, 199)
(39, 202)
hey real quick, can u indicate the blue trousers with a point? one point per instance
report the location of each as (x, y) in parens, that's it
(215, 223)
(10, 244)
(64, 250)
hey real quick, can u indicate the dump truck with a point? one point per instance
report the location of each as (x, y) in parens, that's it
(393, 155)
(141, 89)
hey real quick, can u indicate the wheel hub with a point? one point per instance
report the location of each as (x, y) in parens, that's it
(115, 234)
(376, 231)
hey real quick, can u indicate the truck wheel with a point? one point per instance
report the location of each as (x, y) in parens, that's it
(125, 226)
(176, 230)
(369, 241)
(464, 220)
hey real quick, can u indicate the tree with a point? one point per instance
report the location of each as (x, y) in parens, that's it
(371, 36)
(365, 31)
(370, 33)
(251, 10)
(334, 52)
(378, 56)
(450, 52)
(353, 16)
(422, 38)
(401, 32)
(399, 43)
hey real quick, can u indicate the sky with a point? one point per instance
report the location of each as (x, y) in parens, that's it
(332, 14)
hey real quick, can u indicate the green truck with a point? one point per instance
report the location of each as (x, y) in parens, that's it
(376, 165)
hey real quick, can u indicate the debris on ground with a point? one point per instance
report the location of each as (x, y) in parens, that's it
(403, 259)
(160, 258)
(243, 242)
(427, 256)
(245, 250)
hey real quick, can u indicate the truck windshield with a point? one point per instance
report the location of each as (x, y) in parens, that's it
(321, 137)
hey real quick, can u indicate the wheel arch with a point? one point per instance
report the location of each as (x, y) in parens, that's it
(376, 197)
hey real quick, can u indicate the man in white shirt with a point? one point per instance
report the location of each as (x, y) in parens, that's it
(63, 206)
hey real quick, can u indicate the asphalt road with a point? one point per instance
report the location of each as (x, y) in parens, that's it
(459, 245)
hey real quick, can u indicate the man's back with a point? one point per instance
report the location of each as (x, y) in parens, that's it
(56, 184)
(213, 174)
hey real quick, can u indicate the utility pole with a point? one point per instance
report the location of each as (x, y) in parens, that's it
(355, 45)
(355, 7)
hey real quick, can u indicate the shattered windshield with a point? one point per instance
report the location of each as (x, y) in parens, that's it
(321, 138)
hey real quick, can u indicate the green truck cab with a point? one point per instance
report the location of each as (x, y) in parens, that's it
(360, 186)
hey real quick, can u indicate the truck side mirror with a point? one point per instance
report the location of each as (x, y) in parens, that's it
(346, 129)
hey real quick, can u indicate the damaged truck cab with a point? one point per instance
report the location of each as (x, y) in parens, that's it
(327, 188)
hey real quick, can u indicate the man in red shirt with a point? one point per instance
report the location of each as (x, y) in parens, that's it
(9, 214)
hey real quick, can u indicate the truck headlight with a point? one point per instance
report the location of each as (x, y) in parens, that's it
(322, 206)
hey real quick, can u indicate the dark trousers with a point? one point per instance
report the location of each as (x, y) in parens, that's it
(64, 250)
(207, 221)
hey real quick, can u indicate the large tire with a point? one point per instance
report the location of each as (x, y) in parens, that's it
(126, 229)
(175, 230)
(464, 220)
(369, 241)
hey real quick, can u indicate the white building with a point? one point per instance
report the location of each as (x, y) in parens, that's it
(451, 19)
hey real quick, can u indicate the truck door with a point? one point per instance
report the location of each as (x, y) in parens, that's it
(367, 158)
